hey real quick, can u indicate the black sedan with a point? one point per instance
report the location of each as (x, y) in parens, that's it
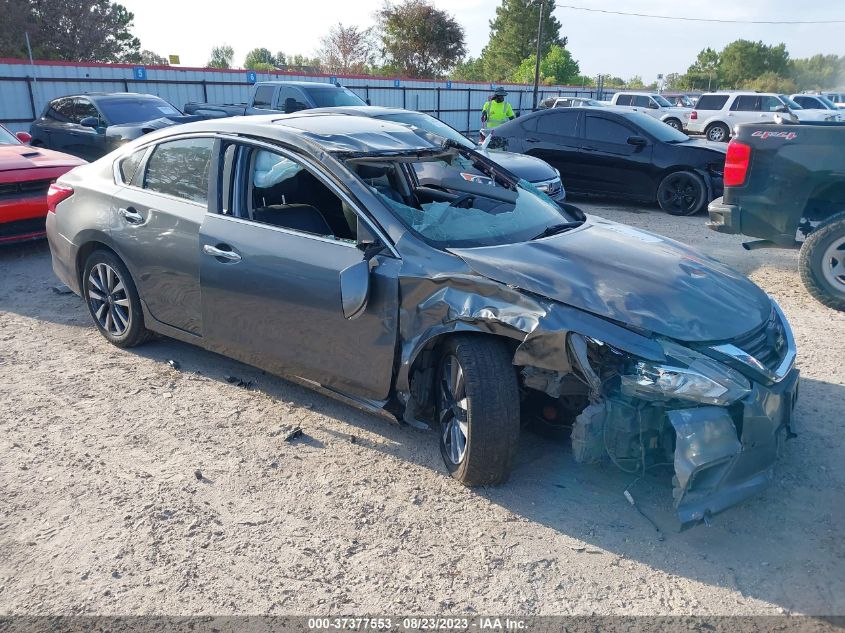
(620, 154)
(93, 124)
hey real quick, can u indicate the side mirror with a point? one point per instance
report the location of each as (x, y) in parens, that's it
(637, 141)
(90, 121)
(653, 105)
(355, 288)
(24, 137)
(782, 108)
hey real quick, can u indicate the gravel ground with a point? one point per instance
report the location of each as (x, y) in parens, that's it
(130, 487)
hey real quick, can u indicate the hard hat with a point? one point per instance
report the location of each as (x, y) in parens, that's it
(500, 92)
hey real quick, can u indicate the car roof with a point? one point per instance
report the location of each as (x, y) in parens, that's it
(362, 110)
(111, 95)
(300, 84)
(328, 132)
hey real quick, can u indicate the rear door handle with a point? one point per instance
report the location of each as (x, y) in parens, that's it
(590, 148)
(131, 215)
(532, 140)
(214, 251)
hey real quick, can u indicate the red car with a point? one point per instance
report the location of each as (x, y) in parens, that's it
(26, 174)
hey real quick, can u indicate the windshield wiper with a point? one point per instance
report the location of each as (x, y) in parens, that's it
(554, 229)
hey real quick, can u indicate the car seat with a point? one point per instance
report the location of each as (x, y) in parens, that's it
(298, 217)
(372, 173)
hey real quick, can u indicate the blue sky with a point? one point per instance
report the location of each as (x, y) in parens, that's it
(621, 46)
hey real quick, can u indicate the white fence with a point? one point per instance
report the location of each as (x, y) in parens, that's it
(26, 88)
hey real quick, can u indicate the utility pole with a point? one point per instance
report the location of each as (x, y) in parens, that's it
(537, 62)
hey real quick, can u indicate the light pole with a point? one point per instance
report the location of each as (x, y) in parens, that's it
(537, 61)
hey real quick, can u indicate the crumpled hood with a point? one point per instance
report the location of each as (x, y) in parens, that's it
(633, 277)
(13, 157)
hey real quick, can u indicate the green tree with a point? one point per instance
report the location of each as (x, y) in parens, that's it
(221, 56)
(513, 36)
(302, 63)
(635, 83)
(260, 59)
(149, 58)
(818, 72)
(771, 82)
(742, 61)
(557, 67)
(419, 39)
(703, 74)
(471, 69)
(346, 49)
(69, 30)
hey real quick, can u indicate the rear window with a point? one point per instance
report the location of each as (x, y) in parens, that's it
(711, 102)
(624, 100)
(263, 97)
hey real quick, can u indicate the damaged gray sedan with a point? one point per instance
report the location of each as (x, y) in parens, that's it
(305, 245)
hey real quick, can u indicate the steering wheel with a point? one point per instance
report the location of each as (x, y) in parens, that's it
(466, 199)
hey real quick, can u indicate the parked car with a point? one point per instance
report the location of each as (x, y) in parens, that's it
(785, 184)
(716, 113)
(537, 172)
(307, 247)
(620, 153)
(653, 105)
(280, 96)
(25, 176)
(93, 124)
(814, 102)
(838, 98)
(679, 99)
(570, 102)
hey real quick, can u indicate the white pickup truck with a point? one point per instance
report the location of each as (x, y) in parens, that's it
(654, 105)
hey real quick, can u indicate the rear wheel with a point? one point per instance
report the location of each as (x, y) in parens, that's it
(682, 193)
(478, 410)
(675, 123)
(822, 263)
(718, 132)
(113, 300)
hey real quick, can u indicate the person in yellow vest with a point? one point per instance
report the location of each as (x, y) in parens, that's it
(497, 111)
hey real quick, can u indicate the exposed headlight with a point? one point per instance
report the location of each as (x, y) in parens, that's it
(481, 180)
(687, 376)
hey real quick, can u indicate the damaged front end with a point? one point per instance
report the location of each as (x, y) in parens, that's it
(721, 427)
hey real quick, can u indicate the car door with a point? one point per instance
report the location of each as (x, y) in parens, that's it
(553, 136)
(747, 109)
(52, 127)
(156, 226)
(84, 141)
(608, 162)
(270, 270)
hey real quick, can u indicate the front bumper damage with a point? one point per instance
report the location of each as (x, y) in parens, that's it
(723, 457)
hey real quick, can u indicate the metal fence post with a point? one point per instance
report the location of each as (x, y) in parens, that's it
(125, 86)
(438, 102)
(204, 91)
(31, 97)
(469, 109)
(404, 98)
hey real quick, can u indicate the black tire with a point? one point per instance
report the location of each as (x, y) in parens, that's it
(675, 123)
(115, 309)
(821, 252)
(491, 410)
(682, 193)
(718, 133)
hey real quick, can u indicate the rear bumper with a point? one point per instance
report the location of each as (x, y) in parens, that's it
(724, 218)
(724, 456)
(63, 253)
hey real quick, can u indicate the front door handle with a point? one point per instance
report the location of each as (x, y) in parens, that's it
(590, 148)
(222, 253)
(131, 215)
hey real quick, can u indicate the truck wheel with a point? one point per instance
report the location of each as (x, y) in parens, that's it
(478, 410)
(682, 193)
(112, 300)
(718, 132)
(822, 262)
(675, 124)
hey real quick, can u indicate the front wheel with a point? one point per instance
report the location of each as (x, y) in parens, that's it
(113, 300)
(682, 193)
(822, 263)
(477, 410)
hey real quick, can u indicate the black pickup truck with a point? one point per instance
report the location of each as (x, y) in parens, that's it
(785, 184)
(266, 97)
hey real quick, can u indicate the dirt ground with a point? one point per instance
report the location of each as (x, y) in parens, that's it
(130, 487)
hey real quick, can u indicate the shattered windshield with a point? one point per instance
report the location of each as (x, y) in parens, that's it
(457, 210)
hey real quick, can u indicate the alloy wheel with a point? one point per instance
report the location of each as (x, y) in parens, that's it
(716, 133)
(454, 424)
(833, 264)
(681, 194)
(108, 299)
